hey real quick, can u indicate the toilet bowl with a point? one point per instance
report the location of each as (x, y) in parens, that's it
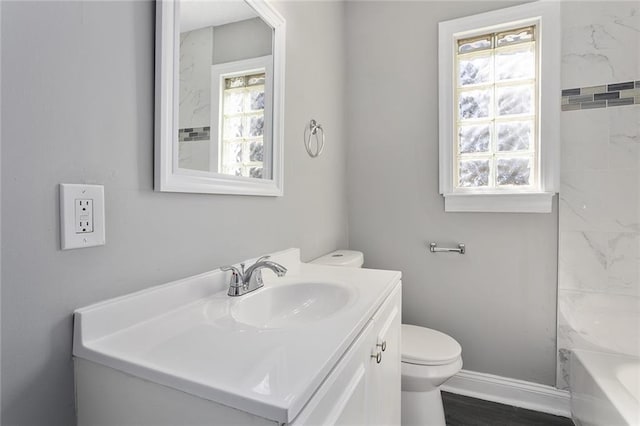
(429, 358)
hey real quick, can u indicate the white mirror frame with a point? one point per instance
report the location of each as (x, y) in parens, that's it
(167, 177)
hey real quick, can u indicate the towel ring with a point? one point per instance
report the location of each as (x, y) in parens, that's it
(312, 130)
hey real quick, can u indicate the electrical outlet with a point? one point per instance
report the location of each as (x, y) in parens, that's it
(84, 216)
(81, 216)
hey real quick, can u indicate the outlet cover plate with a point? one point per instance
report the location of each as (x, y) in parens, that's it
(69, 237)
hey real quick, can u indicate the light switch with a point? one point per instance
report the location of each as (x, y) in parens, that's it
(81, 216)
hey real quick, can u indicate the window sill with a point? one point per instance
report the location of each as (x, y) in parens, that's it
(536, 202)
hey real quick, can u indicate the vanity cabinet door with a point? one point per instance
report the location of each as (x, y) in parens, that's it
(385, 376)
(361, 390)
(342, 400)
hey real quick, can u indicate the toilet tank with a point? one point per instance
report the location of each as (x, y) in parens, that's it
(349, 258)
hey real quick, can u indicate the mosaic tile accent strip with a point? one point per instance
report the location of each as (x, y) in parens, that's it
(194, 134)
(603, 96)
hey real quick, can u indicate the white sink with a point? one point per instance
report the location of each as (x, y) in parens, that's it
(292, 304)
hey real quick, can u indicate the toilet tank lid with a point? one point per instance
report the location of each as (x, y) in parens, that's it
(350, 258)
(425, 346)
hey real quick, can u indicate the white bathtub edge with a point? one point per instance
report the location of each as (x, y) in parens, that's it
(504, 390)
(599, 398)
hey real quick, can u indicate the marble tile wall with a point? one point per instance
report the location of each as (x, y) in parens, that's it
(194, 111)
(599, 235)
(195, 78)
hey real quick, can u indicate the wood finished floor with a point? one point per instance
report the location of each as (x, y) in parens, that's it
(465, 411)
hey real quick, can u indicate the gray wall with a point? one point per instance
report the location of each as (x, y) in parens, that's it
(78, 77)
(246, 39)
(499, 299)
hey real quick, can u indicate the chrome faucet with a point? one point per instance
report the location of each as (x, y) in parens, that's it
(245, 281)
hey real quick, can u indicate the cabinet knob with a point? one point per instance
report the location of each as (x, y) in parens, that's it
(382, 345)
(378, 357)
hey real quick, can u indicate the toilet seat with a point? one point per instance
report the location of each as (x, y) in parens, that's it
(424, 346)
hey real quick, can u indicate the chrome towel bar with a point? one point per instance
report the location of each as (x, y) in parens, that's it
(433, 248)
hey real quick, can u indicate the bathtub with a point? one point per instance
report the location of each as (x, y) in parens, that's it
(605, 389)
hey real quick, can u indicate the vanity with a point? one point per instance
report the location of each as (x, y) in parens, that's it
(320, 345)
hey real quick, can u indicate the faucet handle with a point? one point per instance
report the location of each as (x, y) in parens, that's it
(260, 259)
(230, 268)
(236, 274)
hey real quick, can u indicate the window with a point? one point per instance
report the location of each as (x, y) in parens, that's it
(496, 120)
(499, 106)
(241, 117)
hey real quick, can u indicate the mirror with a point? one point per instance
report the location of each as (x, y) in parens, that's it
(219, 91)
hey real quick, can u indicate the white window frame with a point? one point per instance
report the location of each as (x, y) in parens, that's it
(231, 69)
(545, 15)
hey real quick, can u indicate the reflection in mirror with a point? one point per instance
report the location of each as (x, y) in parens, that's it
(225, 94)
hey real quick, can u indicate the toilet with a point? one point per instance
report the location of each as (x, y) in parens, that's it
(429, 358)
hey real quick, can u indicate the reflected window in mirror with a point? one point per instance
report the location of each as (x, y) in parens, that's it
(243, 130)
(242, 118)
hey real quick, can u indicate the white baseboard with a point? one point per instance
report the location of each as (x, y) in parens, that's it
(518, 393)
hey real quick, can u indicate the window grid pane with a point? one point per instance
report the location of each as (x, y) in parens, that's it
(519, 35)
(515, 62)
(514, 171)
(476, 43)
(496, 127)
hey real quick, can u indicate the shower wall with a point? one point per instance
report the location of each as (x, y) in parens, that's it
(599, 215)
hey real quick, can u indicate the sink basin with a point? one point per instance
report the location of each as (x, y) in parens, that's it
(291, 305)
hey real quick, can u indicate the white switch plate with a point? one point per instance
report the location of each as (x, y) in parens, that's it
(81, 216)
